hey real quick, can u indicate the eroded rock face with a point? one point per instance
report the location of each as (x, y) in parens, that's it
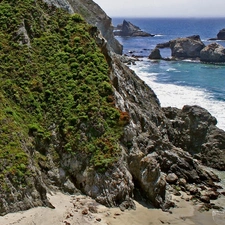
(147, 174)
(213, 53)
(110, 188)
(29, 197)
(194, 131)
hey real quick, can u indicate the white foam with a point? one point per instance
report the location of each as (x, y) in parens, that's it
(178, 96)
(171, 69)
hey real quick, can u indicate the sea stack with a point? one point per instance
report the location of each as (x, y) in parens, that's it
(127, 29)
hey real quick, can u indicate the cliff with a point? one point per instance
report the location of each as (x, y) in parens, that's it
(74, 117)
(94, 15)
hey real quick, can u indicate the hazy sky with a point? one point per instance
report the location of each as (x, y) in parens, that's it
(163, 8)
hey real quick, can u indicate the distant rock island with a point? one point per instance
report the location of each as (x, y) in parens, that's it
(220, 35)
(191, 48)
(127, 29)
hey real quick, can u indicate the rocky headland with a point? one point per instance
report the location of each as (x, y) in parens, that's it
(191, 48)
(79, 120)
(127, 29)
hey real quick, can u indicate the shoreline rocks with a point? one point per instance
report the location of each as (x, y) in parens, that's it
(191, 48)
(155, 54)
(188, 47)
(213, 53)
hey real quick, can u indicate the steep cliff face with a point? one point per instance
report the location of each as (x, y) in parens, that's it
(94, 15)
(75, 119)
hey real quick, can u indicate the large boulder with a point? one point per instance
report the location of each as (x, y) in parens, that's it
(214, 53)
(147, 174)
(188, 47)
(127, 29)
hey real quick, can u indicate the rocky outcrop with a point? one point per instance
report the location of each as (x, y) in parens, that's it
(189, 47)
(127, 29)
(111, 188)
(152, 136)
(95, 16)
(183, 48)
(155, 54)
(213, 53)
(194, 131)
(22, 35)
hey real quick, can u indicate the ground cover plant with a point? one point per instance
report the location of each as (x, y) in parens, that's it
(55, 92)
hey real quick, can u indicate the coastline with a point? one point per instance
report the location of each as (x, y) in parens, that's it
(80, 209)
(184, 95)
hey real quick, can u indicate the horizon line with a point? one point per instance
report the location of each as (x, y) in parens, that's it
(172, 17)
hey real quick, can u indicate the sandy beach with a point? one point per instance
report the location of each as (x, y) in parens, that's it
(82, 210)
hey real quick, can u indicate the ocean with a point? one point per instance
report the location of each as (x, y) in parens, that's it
(178, 83)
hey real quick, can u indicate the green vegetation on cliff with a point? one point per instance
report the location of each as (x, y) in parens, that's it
(55, 91)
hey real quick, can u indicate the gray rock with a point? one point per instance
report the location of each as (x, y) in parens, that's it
(182, 182)
(213, 53)
(205, 199)
(221, 34)
(171, 178)
(146, 172)
(195, 131)
(127, 29)
(22, 35)
(64, 4)
(188, 47)
(155, 54)
(163, 45)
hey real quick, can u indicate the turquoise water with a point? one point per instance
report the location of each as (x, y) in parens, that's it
(180, 82)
